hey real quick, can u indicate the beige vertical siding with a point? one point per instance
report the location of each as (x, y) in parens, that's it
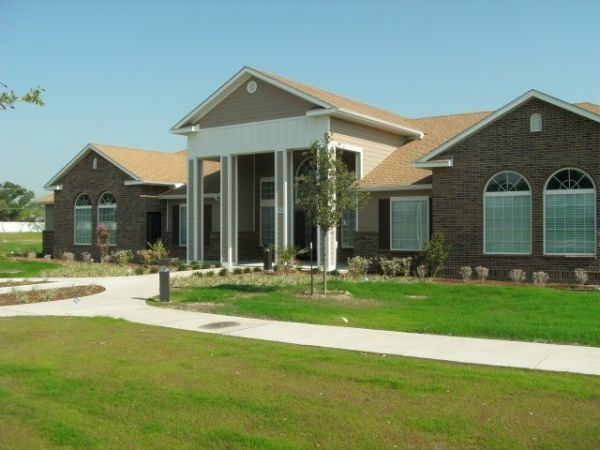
(267, 103)
(368, 217)
(377, 145)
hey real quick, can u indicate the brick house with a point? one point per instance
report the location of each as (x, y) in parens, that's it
(516, 187)
(120, 188)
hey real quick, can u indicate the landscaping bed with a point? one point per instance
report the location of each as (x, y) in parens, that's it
(17, 297)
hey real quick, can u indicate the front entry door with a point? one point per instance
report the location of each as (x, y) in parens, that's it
(303, 233)
(153, 231)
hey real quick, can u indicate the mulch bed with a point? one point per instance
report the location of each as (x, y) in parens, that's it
(46, 295)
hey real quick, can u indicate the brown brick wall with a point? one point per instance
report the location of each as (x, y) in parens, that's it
(567, 140)
(132, 204)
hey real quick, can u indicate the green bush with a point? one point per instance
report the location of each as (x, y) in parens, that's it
(434, 255)
(358, 266)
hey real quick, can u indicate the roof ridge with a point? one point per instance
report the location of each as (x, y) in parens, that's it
(164, 152)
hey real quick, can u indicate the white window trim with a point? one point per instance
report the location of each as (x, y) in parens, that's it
(100, 206)
(89, 207)
(572, 191)
(355, 230)
(181, 206)
(270, 202)
(427, 231)
(506, 194)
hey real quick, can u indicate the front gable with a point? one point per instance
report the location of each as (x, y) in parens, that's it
(255, 100)
(513, 120)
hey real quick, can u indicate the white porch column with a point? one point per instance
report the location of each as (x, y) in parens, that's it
(199, 212)
(228, 210)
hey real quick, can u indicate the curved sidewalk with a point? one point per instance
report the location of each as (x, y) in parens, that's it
(124, 298)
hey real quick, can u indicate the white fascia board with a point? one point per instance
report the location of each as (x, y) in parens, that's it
(374, 122)
(153, 183)
(434, 164)
(50, 185)
(172, 197)
(501, 112)
(186, 130)
(397, 187)
(56, 187)
(233, 83)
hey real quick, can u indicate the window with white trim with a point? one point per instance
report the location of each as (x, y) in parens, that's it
(182, 225)
(107, 215)
(83, 220)
(570, 214)
(267, 211)
(348, 228)
(409, 217)
(507, 215)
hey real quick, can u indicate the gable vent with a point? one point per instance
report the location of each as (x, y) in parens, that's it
(535, 123)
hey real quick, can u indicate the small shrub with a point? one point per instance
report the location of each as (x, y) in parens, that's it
(48, 295)
(121, 257)
(257, 269)
(145, 256)
(517, 275)
(204, 265)
(287, 257)
(390, 267)
(482, 273)
(237, 271)
(581, 276)
(158, 250)
(139, 270)
(195, 265)
(465, 272)
(223, 272)
(68, 256)
(246, 270)
(86, 256)
(198, 274)
(153, 269)
(422, 271)
(20, 296)
(435, 254)
(358, 266)
(210, 274)
(540, 278)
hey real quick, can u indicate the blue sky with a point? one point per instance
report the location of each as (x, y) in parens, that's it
(124, 72)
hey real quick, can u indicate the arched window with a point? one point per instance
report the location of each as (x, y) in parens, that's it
(535, 123)
(83, 220)
(507, 214)
(570, 214)
(107, 215)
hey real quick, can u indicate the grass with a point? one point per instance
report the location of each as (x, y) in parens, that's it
(103, 383)
(20, 268)
(20, 243)
(526, 312)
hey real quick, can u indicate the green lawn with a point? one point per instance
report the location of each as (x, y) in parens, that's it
(102, 383)
(19, 268)
(20, 242)
(511, 312)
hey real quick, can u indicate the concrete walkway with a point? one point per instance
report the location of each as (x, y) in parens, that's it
(124, 298)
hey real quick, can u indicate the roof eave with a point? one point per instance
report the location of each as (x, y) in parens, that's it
(434, 164)
(175, 184)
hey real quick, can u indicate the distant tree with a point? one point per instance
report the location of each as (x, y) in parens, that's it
(15, 203)
(8, 98)
(326, 189)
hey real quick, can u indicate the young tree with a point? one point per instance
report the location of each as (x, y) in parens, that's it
(325, 190)
(14, 201)
(8, 98)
